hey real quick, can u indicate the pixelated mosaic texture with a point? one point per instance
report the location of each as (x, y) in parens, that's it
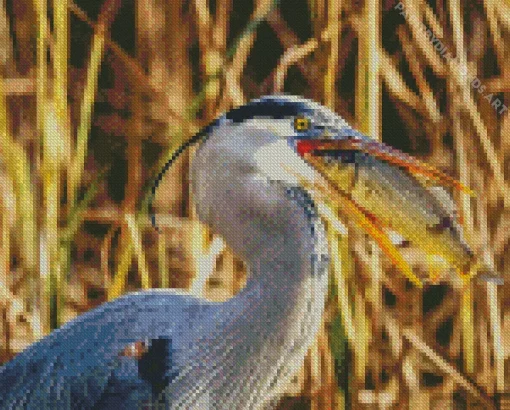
(95, 97)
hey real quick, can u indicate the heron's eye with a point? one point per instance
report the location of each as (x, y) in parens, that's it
(302, 124)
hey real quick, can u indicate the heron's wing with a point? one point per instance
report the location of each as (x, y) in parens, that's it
(135, 383)
(74, 366)
(125, 388)
(62, 371)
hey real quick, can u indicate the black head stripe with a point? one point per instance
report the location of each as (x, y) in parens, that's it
(264, 108)
(276, 109)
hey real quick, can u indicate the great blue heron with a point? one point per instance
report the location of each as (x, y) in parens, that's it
(237, 354)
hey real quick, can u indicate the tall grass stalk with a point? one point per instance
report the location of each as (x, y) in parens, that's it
(41, 8)
(60, 72)
(87, 104)
(118, 285)
(18, 170)
(136, 242)
(334, 29)
(468, 331)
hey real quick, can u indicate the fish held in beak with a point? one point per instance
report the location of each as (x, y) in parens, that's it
(383, 182)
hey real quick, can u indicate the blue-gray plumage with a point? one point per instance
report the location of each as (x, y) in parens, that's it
(204, 355)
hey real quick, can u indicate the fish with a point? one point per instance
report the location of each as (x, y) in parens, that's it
(388, 186)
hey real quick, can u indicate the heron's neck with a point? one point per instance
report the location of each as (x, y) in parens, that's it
(279, 312)
(281, 273)
(287, 275)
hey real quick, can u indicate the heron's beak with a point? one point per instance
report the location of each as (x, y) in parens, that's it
(384, 189)
(382, 152)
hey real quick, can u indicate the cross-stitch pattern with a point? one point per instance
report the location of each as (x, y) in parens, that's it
(253, 204)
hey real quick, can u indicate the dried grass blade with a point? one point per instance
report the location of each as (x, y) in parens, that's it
(118, 285)
(41, 7)
(468, 330)
(162, 262)
(18, 169)
(447, 368)
(342, 286)
(87, 104)
(136, 240)
(60, 71)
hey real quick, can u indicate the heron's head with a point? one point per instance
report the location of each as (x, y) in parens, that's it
(254, 151)
(275, 134)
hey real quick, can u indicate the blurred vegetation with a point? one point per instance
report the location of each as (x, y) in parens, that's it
(95, 95)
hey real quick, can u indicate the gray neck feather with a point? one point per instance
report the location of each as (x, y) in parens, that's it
(258, 339)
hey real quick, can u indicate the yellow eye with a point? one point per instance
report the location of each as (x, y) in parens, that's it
(302, 124)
